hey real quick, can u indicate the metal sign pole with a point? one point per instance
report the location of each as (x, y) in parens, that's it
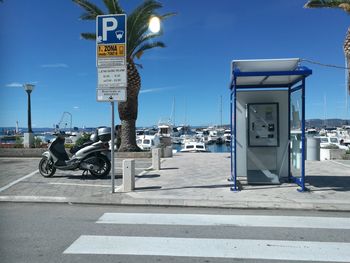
(112, 148)
(111, 38)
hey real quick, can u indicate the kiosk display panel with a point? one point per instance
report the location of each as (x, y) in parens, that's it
(263, 129)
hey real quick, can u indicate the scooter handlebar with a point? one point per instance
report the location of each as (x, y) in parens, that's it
(61, 134)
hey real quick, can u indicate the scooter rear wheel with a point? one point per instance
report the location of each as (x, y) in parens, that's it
(46, 167)
(105, 166)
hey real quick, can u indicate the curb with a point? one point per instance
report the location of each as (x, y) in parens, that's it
(119, 199)
(21, 152)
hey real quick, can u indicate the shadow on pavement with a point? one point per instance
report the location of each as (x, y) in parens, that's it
(152, 188)
(88, 177)
(148, 188)
(170, 168)
(148, 176)
(336, 183)
(247, 187)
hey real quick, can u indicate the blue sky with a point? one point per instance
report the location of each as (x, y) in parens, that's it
(40, 43)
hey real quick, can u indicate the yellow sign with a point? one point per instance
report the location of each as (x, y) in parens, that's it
(114, 50)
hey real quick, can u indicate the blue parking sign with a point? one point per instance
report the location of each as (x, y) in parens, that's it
(111, 29)
(111, 57)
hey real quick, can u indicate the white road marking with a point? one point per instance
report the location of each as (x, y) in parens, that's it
(146, 170)
(72, 184)
(18, 180)
(21, 198)
(22, 158)
(216, 248)
(342, 164)
(230, 220)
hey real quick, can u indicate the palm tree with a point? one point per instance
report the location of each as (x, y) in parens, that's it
(345, 5)
(139, 40)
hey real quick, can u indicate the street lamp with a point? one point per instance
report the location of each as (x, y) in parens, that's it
(28, 88)
(28, 136)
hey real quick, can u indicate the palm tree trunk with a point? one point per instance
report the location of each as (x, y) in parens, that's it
(128, 137)
(347, 55)
(128, 111)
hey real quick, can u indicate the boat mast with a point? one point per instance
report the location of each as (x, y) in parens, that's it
(185, 113)
(324, 110)
(172, 117)
(221, 111)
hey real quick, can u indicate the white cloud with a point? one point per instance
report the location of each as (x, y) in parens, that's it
(14, 85)
(56, 65)
(156, 89)
(19, 84)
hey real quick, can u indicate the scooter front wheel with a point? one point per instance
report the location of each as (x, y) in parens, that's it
(46, 167)
(104, 166)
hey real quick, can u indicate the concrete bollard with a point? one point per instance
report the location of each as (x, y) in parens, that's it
(156, 158)
(167, 152)
(313, 149)
(28, 140)
(170, 151)
(128, 175)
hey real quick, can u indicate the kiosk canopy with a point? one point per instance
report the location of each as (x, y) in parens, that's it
(268, 72)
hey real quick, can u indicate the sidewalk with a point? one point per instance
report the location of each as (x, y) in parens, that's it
(198, 180)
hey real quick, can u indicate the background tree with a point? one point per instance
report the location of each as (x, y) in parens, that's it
(139, 40)
(345, 5)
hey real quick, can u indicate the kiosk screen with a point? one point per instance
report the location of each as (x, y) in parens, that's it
(263, 129)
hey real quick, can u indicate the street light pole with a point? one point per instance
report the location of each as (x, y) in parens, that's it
(29, 138)
(29, 113)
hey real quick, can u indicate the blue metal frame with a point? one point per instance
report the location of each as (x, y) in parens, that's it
(296, 88)
(233, 138)
(300, 181)
(231, 164)
(302, 72)
(289, 113)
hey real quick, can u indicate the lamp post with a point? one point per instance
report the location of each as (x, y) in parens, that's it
(28, 137)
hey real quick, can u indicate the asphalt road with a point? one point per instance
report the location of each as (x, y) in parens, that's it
(77, 233)
(13, 169)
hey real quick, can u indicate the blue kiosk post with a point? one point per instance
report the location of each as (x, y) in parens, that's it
(267, 103)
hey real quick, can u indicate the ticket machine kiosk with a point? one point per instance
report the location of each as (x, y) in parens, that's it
(267, 96)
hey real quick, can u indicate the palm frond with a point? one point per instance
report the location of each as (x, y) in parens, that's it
(142, 39)
(328, 3)
(88, 36)
(138, 21)
(113, 7)
(91, 9)
(165, 16)
(88, 16)
(145, 47)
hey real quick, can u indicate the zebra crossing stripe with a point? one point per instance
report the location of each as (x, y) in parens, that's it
(228, 220)
(216, 248)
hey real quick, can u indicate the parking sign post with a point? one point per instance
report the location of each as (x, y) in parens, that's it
(111, 67)
(112, 149)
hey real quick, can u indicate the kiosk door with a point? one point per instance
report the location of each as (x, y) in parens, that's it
(263, 140)
(295, 134)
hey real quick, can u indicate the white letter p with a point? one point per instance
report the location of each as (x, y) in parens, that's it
(105, 27)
